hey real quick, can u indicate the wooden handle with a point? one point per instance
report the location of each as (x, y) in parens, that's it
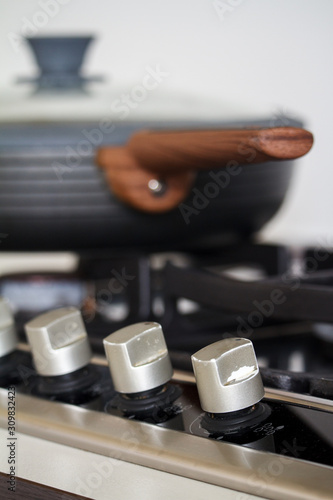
(207, 149)
(169, 160)
(130, 182)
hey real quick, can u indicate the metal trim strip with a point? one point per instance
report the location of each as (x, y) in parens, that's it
(223, 464)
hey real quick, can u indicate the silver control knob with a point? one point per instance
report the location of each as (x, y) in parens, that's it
(227, 376)
(138, 358)
(58, 341)
(8, 336)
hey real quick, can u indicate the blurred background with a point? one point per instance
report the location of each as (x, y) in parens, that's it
(218, 60)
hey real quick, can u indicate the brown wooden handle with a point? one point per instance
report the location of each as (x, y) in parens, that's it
(207, 149)
(173, 157)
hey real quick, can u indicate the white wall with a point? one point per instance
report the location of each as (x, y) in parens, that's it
(276, 52)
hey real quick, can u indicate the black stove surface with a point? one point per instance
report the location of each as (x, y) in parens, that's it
(278, 297)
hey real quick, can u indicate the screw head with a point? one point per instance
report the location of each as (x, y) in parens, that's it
(157, 187)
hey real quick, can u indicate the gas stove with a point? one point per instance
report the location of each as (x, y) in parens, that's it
(254, 418)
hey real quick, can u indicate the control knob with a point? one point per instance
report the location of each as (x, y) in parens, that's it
(229, 387)
(58, 342)
(227, 376)
(140, 368)
(61, 355)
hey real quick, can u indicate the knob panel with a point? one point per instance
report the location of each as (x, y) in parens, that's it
(58, 341)
(227, 376)
(138, 358)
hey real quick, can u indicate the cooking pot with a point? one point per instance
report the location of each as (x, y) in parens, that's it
(58, 190)
(108, 183)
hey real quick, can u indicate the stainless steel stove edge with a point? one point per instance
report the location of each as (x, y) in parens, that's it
(222, 464)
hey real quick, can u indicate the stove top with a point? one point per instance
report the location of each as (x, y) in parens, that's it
(277, 299)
